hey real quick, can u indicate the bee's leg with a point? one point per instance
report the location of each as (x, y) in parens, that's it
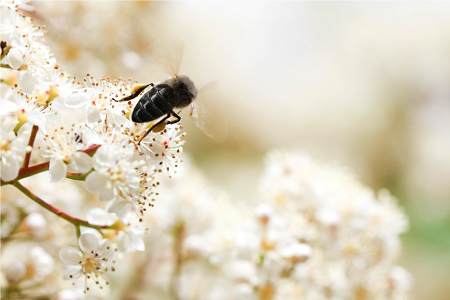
(134, 93)
(176, 116)
(154, 125)
(127, 98)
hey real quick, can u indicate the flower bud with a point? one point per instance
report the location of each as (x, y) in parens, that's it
(15, 271)
(263, 213)
(297, 253)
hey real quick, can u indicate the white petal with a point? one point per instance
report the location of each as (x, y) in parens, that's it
(120, 207)
(81, 162)
(64, 91)
(95, 182)
(27, 82)
(91, 231)
(88, 243)
(52, 119)
(7, 107)
(74, 271)
(123, 243)
(98, 216)
(107, 195)
(58, 170)
(136, 241)
(116, 118)
(70, 256)
(36, 118)
(92, 115)
(105, 157)
(14, 58)
(10, 169)
(77, 100)
(106, 250)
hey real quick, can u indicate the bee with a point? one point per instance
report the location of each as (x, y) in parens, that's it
(158, 102)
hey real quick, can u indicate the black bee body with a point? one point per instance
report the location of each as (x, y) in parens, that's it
(154, 104)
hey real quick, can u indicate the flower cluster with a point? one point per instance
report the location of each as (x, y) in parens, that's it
(353, 233)
(77, 131)
(316, 234)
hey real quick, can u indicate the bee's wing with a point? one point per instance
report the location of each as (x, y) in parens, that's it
(171, 57)
(209, 113)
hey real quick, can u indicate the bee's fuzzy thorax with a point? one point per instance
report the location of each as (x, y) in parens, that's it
(184, 90)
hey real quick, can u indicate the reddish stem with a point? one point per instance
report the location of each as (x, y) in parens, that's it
(67, 217)
(36, 169)
(30, 143)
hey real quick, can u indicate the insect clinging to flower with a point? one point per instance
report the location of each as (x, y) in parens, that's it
(158, 101)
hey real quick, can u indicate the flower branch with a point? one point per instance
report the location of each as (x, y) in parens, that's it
(34, 131)
(75, 221)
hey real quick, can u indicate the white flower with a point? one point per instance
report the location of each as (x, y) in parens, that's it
(32, 56)
(241, 271)
(194, 246)
(28, 109)
(297, 252)
(15, 271)
(19, 26)
(114, 173)
(402, 280)
(40, 262)
(126, 233)
(16, 4)
(13, 151)
(65, 84)
(93, 262)
(65, 148)
(36, 223)
(97, 97)
(264, 212)
(163, 149)
(119, 176)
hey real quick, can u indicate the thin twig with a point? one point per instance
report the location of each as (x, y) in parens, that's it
(34, 131)
(77, 176)
(177, 247)
(51, 208)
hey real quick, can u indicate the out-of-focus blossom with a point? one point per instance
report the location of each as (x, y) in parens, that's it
(15, 271)
(40, 263)
(36, 223)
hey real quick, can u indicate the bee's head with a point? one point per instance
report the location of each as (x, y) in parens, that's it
(184, 89)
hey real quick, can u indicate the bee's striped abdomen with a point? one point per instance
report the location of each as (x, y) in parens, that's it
(153, 104)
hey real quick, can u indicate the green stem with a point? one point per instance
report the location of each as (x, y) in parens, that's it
(75, 221)
(34, 131)
(5, 66)
(78, 230)
(77, 176)
(36, 169)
